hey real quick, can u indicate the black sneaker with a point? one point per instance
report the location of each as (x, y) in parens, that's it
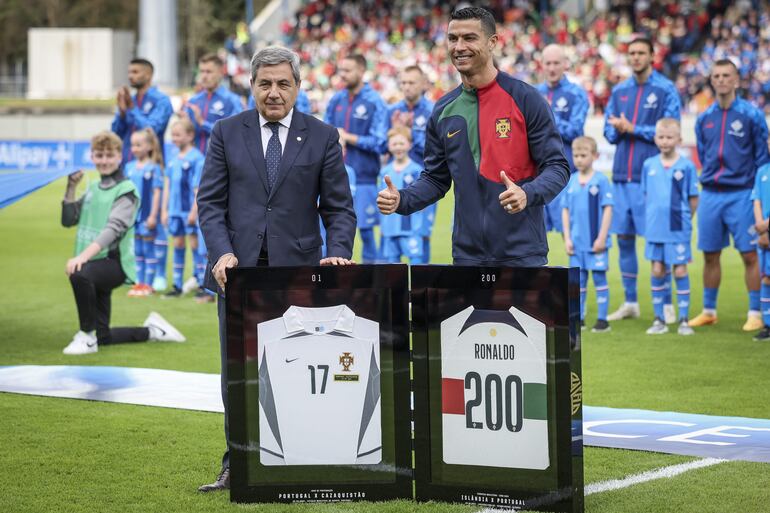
(175, 292)
(763, 335)
(601, 326)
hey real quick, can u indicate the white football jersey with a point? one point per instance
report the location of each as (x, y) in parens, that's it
(493, 394)
(319, 388)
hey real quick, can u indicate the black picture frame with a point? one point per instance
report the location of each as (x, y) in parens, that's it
(550, 295)
(255, 295)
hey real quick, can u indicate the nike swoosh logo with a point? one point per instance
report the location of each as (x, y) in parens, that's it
(452, 134)
(92, 344)
(289, 361)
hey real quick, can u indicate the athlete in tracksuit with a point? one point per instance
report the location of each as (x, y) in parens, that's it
(364, 115)
(569, 103)
(219, 103)
(731, 136)
(638, 103)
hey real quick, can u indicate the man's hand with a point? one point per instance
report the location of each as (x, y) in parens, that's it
(191, 218)
(127, 101)
(599, 246)
(121, 101)
(151, 223)
(74, 179)
(388, 199)
(402, 119)
(764, 241)
(569, 246)
(74, 264)
(336, 261)
(621, 124)
(226, 261)
(513, 199)
(196, 112)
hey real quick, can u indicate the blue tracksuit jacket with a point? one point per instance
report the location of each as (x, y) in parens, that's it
(569, 103)
(643, 105)
(152, 109)
(365, 115)
(219, 104)
(732, 145)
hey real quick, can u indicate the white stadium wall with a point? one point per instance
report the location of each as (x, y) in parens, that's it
(77, 62)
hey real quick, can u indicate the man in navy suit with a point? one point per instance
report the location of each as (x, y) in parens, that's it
(269, 174)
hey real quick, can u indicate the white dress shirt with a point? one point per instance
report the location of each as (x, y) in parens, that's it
(283, 131)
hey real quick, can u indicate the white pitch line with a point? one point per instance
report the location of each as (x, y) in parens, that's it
(650, 475)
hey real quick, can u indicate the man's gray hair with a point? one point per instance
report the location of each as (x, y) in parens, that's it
(273, 55)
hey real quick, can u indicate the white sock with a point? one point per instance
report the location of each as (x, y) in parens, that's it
(155, 332)
(710, 311)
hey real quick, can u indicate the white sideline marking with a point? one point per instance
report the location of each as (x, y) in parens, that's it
(650, 475)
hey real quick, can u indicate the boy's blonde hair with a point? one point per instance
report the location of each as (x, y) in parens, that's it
(184, 123)
(585, 141)
(106, 141)
(156, 155)
(668, 123)
(400, 130)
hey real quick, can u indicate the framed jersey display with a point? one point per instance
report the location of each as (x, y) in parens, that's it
(318, 383)
(497, 386)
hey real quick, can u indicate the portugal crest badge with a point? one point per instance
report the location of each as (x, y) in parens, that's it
(503, 128)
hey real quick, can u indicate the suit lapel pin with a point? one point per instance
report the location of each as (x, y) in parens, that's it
(299, 138)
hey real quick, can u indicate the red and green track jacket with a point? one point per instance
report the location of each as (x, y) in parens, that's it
(472, 135)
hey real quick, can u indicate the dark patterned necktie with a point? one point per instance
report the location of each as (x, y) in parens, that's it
(273, 155)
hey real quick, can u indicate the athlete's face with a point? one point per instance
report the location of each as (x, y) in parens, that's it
(667, 138)
(469, 47)
(554, 65)
(209, 75)
(180, 136)
(412, 85)
(275, 91)
(724, 80)
(350, 73)
(140, 146)
(398, 146)
(583, 156)
(639, 57)
(139, 75)
(106, 161)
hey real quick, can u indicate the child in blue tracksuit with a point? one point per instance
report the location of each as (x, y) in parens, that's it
(761, 198)
(180, 212)
(146, 171)
(670, 189)
(586, 216)
(401, 235)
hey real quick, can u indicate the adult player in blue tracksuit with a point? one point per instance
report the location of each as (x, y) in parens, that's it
(569, 103)
(635, 105)
(361, 116)
(732, 143)
(213, 103)
(415, 107)
(147, 108)
(302, 105)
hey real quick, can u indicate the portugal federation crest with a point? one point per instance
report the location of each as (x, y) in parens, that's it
(503, 128)
(346, 360)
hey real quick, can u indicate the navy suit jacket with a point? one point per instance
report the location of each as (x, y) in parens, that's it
(236, 210)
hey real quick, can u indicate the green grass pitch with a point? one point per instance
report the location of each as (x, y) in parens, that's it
(60, 455)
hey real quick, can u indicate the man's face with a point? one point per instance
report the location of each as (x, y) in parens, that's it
(583, 156)
(209, 75)
(139, 75)
(724, 79)
(412, 85)
(350, 73)
(469, 47)
(275, 91)
(639, 57)
(554, 65)
(106, 161)
(667, 138)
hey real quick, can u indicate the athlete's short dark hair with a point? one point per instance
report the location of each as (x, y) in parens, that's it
(359, 59)
(725, 62)
(477, 13)
(211, 57)
(143, 62)
(643, 40)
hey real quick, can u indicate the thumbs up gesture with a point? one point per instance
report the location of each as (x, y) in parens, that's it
(388, 198)
(513, 199)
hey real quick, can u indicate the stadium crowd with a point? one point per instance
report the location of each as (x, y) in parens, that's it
(689, 37)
